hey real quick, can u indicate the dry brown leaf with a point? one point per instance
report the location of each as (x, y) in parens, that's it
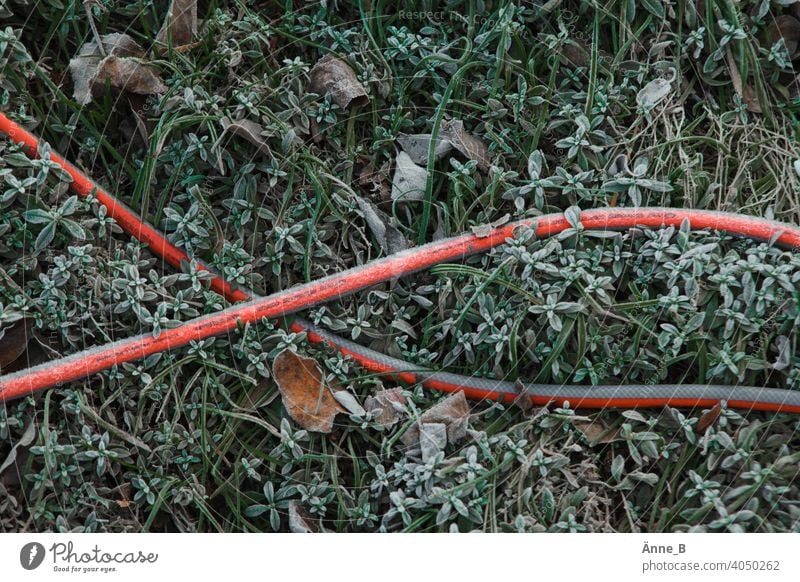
(128, 74)
(745, 92)
(300, 521)
(181, 23)
(386, 406)
(249, 130)
(121, 65)
(575, 54)
(14, 341)
(453, 412)
(596, 432)
(708, 419)
(334, 76)
(308, 400)
(470, 146)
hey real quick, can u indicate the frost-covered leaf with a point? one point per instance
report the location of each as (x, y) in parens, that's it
(306, 396)
(417, 146)
(408, 183)
(334, 76)
(180, 25)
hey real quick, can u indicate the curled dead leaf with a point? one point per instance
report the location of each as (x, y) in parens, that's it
(180, 25)
(249, 130)
(120, 63)
(389, 236)
(334, 76)
(128, 74)
(306, 397)
(653, 93)
(470, 146)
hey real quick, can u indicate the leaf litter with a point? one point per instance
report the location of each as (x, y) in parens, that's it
(306, 396)
(120, 62)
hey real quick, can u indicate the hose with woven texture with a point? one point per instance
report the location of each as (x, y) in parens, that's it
(336, 286)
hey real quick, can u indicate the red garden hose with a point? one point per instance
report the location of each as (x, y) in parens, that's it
(347, 282)
(128, 220)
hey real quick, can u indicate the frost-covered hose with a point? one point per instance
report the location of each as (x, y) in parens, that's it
(609, 396)
(339, 285)
(126, 218)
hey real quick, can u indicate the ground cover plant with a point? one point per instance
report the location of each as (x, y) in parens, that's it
(449, 116)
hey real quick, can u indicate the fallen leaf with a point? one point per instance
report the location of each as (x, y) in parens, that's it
(307, 398)
(128, 74)
(432, 439)
(299, 519)
(453, 412)
(653, 93)
(334, 76)
(784, 359)
(574, 54)
(523, 399)
(750, 98)
(389, 236)
(350, 403)
(470, 146)
(181, 23)
(745, 92)
(25, 441)
(386, 407)
(596, 432)
(14, 341)
(417, 146)
(708, 419)
(121, 66)
(619, 165)
(409, 180)
(249, 130)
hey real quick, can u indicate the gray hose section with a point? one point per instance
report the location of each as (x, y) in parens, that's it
(656, 393)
